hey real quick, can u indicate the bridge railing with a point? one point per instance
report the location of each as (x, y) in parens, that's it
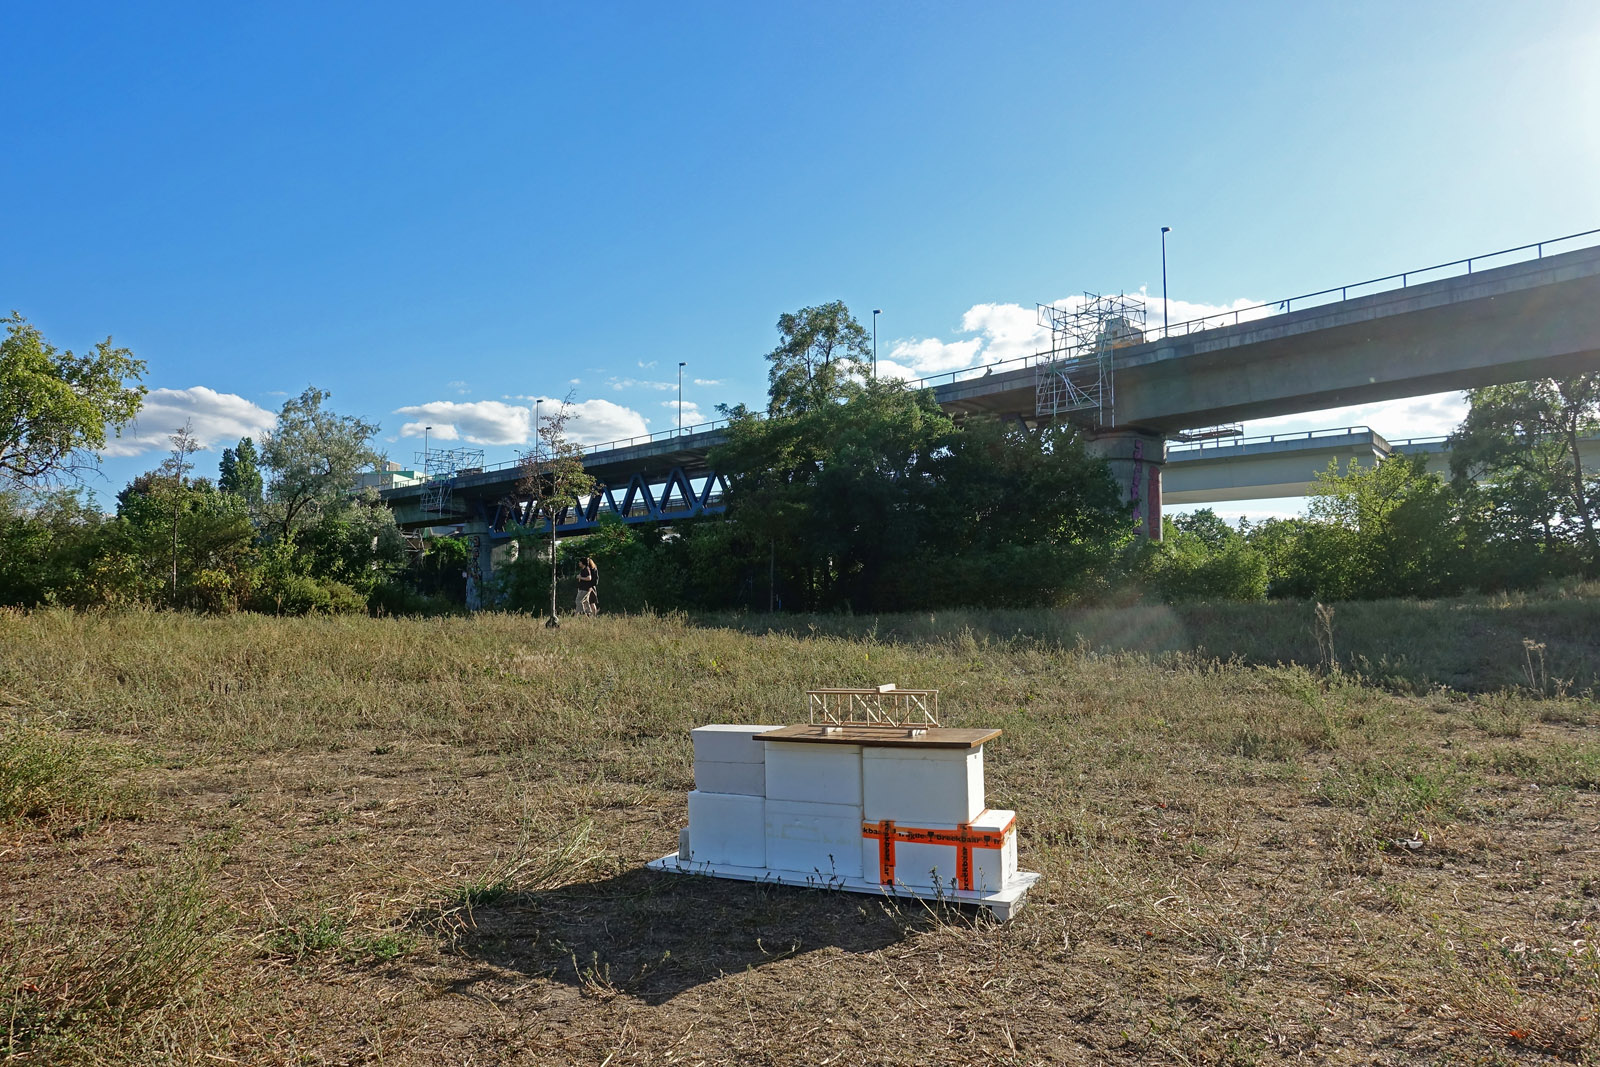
(1303, 435)
(624, 442)
(1338, 293)
(1236, 316)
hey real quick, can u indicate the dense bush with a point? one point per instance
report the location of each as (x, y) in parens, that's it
(1186, 566)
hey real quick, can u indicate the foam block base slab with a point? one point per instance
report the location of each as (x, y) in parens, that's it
(1004, 902)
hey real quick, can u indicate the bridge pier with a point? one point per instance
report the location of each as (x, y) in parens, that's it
(1135, 458)
(480, 564)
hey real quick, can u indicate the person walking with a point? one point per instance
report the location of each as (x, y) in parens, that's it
(588, 587)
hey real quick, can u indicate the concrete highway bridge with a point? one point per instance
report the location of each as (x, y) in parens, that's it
(1486, 322)
(1285, 465)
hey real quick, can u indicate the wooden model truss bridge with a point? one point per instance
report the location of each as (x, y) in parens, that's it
(913, 710)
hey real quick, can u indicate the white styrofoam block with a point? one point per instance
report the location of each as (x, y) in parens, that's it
(820, 839)
(683, 844)
(817, 774)
(727, 828)
(748, 778)
(921, 787)
(927, 866)
(728, 743)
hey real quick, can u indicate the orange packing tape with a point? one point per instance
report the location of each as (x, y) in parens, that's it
(963, 838)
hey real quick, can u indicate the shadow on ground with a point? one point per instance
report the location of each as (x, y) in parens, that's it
(652, 936)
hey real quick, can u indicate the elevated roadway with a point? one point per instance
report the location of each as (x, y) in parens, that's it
(1536, 317)
(1531, 319)
(1285, 465)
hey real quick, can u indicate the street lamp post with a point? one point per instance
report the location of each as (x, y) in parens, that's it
(536, 403)
(875, 313)
(1166, 323)
(425, 430)
(681, 365)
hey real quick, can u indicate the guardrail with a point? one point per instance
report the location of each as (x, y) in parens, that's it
(1286, 305)
(1303, 435)
(625, 442)
(1236, 316)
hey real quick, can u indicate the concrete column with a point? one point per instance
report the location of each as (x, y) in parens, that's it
(1135, 458)
(480, 564)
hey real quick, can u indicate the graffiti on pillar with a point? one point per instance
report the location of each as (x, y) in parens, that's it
(1152, 508)
(475, 560)
(1134, 496)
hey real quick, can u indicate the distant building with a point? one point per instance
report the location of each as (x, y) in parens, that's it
(392, 476)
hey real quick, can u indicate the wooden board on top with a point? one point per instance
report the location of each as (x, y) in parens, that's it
(881, 736)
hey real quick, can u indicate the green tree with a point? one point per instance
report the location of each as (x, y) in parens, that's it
(314, 457)
(55, 407)
(240, 472)
(52, 550)
(1201, 557)
(877, 501)
(169, 524)
(826, 488)
(1205, 524)
(1382, 531)
(1279, 544)
(823, 355)
(357, 544)
(1017, 517)
(1517, 455)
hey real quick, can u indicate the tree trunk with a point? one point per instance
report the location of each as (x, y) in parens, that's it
(552, 567)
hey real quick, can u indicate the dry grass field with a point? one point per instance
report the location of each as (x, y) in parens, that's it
(338, 841)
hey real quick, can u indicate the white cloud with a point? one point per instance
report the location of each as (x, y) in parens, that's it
(1010, 331)
(1184, 311)
(930, 356)
(443, 431)
(1419, 416)
(889, 369)
(691, 412)
(646, 366)
(481, 422)
(708, 381)
(215, 419)
(490, 422)
(637, 383)
(597, 421)
(461, 387)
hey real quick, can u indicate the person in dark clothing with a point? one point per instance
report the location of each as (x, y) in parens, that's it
(588, 587)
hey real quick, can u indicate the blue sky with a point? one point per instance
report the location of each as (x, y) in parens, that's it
(439, 212)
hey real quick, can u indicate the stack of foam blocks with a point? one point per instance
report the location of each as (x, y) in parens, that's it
(906, 819)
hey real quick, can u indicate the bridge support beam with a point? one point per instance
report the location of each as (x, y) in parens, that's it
(480, 564)
(1135, 458)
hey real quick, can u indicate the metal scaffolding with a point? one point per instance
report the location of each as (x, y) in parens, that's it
(440, 468)
(1078, 377)
(1210, 433)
